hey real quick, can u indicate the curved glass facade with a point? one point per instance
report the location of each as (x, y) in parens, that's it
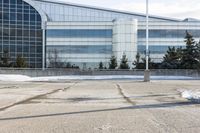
(21, 32)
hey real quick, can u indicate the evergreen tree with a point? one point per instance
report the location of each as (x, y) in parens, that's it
(20, 62)
(101, 65)
(136, 63)
(143, 64)
(124, 63)
(198, 50)
(68, 65)
(5, 59)
(113, 62)
(172, 58)
(190, 57)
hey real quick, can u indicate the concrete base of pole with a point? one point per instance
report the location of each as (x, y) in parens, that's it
(147, 74)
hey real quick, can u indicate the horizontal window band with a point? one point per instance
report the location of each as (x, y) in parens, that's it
(90, 33)
(81, 49)
(157, 49)
(168, 33)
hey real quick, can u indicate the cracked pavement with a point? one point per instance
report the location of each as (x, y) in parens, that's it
(108, 106)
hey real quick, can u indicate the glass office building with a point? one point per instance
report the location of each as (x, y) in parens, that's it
(46, 31)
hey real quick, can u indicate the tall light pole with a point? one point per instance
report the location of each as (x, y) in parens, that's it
(147, 71)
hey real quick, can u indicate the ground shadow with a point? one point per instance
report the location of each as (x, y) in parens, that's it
(150, 106)
(79, 99)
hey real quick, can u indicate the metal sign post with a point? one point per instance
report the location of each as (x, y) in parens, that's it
(147, 71)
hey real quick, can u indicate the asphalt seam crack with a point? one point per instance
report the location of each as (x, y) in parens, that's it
(36, 97)
(121, 92)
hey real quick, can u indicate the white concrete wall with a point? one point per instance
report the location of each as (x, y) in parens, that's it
(125, 39)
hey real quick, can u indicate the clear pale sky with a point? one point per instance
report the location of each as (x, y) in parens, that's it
(169, 8)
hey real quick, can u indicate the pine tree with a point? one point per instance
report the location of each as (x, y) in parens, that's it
(5, 59)
(143, 64)
(172, 58)
(198, 55)
(190, 55)
(198, 50)
(20, 62)
(136, 63)
(101, 65)
(124, 63)
(68, 65)
(113, 62)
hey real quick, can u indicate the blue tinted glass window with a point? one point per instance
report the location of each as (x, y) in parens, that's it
(19, 28)
(26, 17)
(12, 7)
(32, 18)
(82, 49)
(12, 16)
(156, 49)
(6, 16)
(19, 2)
(167, 33)
(6, 1)
(12, 1)
(38, 18)
(90, 33)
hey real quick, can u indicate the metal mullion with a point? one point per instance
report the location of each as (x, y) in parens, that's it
(22, 27)
(9, 30)
(16, 28)
(2, 30)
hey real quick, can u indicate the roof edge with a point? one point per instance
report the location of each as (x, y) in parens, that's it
(42, 14)
(112, 10)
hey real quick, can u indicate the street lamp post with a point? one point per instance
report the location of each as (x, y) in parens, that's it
(147, 71)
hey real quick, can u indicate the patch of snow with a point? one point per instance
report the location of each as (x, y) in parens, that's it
(187, 94)
(108, 77)
(104, 127)
(18, 78)
(171, 78)
(57, 78)
(81, 77)
(191, 95)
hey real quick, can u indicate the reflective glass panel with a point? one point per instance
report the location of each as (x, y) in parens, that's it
(80, 33)
(21, 24)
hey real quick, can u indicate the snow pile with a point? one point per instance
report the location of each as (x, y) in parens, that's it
(108, 77)
(187, 94)
(18, 78)
(60, 78)
(171, 78)
(191, 95)
(81, 77)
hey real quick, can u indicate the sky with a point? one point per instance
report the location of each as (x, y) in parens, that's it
(168, 8)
